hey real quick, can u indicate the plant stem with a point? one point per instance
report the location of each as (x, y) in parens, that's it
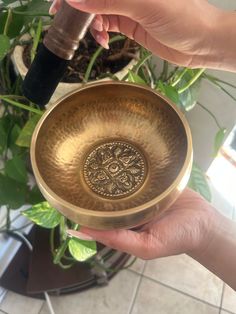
(221, 87)
(96, 54)
(192, 81)
(30, 13)
(164, 73)
(211, 114)
(8, 21)
(22, 106)
(172, 74)
(7, 66)
(65, 266)
(211, 77)
(137, 66)
(61, 251)
(51, 240)
(8, 222)
(141, 63)
(179, 77)
(62, 227)
(14, 97)
(36, 40)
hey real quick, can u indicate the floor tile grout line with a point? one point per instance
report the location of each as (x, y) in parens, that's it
(182, 292)
(226, 311)
(137, 288)
(222, 296)
(137, 272)
(41, 307)
(135, 295)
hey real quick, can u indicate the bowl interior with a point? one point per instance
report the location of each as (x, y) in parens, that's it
(110, 147)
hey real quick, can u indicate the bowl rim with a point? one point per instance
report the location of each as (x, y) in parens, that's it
(112, 214)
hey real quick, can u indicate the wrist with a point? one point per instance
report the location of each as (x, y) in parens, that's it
(211, 229)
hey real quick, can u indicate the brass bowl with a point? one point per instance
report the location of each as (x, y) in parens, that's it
(112, 155)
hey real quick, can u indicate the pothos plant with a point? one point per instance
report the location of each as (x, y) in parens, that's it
(18, 118)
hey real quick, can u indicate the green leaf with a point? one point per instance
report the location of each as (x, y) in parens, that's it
(161, 87)
(198, 182)
(4, 45)
(16, 24)
(82, 250)
(172, 94)
(24, 138)
(35, 8)
(15, 168)
(12, 140)
(135, 78)
(3, 136)
(44, 215)
(188, 99)
(168, 91)
(8, 1)
(12, 193)
(219, 139)
(35, 196)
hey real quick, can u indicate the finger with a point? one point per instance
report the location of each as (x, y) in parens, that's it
(55, 7)
(133, 30)
(122, 240)
(102, 38)
(97, 23)
(131, 8)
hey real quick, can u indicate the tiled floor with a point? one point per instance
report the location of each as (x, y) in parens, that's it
(171, 285)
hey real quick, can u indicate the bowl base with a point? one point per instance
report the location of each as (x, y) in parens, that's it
(115, 169)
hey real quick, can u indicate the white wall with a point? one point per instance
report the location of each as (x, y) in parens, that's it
(223, 107)
(225, 4)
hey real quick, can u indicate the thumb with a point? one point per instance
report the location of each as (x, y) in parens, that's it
(130, 8)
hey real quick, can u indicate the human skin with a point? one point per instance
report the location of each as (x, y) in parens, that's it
(191, 33)
(191, 225)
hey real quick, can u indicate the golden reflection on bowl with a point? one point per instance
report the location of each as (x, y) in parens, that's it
(112, 155)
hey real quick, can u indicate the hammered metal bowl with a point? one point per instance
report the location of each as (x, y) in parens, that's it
(112, 155)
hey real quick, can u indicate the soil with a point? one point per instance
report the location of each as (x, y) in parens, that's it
(109, 61)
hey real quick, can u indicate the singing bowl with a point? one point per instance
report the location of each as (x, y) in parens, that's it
(112, 155)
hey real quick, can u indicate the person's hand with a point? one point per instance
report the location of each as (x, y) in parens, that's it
(190, 33)
(184, 228)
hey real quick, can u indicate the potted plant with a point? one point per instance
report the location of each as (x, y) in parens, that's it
(17, 121)
(19, 117)
(90, 62)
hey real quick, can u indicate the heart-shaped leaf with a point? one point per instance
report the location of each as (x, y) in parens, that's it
(82, 250)
(12, 193)
(43, 214)
(24, 138)
(15, 168)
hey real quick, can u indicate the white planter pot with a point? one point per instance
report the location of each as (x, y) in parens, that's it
(62, 88)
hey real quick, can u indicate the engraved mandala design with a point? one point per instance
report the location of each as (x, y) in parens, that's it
(115, 169)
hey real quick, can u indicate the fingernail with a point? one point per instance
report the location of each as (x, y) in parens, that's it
(79, 235)
(102, 41)
(52, 9)
(97, 25)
